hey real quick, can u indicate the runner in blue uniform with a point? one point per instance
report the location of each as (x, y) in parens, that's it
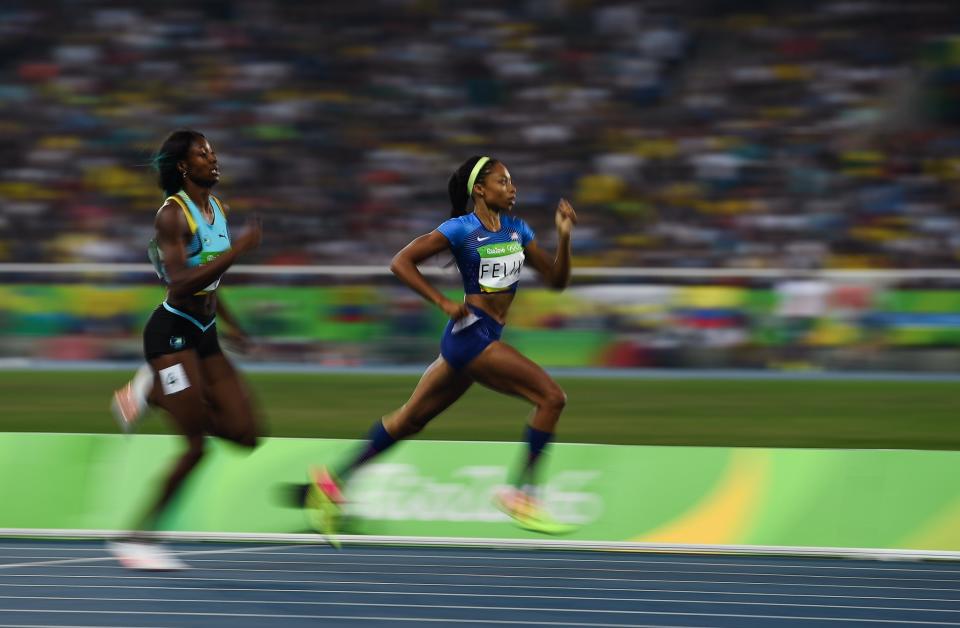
(490, 246)
(192, 379)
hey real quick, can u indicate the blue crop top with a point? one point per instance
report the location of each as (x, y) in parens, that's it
(489, 261)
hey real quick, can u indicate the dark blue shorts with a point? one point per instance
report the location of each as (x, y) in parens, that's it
(465, 339)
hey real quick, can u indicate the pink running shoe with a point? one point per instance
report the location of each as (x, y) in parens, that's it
(129, 402)
(528, 513)
(127, 408)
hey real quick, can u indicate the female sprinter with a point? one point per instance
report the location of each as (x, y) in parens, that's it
(490, 245)
(195, 383)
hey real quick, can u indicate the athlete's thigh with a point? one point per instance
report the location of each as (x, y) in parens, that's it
(504, 369)
(181, 390)
(229, 395)
(439, 386)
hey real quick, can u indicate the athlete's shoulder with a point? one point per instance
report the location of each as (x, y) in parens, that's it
(456, 229)
(467, 220)
(171, 205)
(173, 213)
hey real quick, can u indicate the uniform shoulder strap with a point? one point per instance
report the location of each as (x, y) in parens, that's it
(186, 212)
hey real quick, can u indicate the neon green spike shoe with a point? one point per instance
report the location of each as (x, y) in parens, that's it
(528, 513)
(324, 504)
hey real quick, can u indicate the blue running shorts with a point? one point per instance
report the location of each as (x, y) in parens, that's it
(465, 339)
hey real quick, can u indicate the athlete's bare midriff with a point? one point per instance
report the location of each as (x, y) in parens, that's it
(198, 305)
(496, 305)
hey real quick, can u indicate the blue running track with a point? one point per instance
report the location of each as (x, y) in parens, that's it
(67, 584)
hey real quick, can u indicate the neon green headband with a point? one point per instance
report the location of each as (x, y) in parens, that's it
(473, 175)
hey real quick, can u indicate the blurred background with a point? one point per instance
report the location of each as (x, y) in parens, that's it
(760, 184)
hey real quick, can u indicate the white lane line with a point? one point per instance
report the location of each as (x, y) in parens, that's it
(773, 563)
(460, 575)
(342, 618)
(910, 622)
(477, 595)
(359, 560)
(362, 563)
(63, 626)
(83, 562)
(477, 570)
(462, 543)
(818, 596)
(612, 551)
(72, 562)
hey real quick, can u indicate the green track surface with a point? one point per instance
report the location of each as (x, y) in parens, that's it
(737, 413)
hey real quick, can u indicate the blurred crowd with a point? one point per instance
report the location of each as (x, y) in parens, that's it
(702, 133)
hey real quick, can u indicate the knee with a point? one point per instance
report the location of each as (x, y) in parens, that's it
(555, 399)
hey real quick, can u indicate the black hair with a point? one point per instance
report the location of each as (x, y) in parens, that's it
(457, 187)
(174, 150)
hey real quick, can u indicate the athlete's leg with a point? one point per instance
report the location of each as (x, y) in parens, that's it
(506, 370)
(181, 395)
(233, 416)
(439, 386)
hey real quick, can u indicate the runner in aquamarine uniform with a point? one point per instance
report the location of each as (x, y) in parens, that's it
(189, 375)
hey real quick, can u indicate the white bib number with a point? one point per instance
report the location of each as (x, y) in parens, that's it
(500, 265)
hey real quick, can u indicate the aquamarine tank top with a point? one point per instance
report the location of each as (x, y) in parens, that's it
(207, 242)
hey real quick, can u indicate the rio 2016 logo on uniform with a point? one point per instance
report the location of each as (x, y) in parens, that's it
(206, 257)
(500, 265)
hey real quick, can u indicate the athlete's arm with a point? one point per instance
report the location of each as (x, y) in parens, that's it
(556, 272)
(225, 314)
(404, 266)
(234, 332)
(172, 235)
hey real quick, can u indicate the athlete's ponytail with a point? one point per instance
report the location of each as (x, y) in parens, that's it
(174, 150)
(460, 186)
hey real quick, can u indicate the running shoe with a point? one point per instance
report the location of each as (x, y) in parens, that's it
(144, 556)
(129, 402)
(528, 513)
(324, 504)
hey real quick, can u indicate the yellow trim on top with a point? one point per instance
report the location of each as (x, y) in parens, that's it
(186, 212)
